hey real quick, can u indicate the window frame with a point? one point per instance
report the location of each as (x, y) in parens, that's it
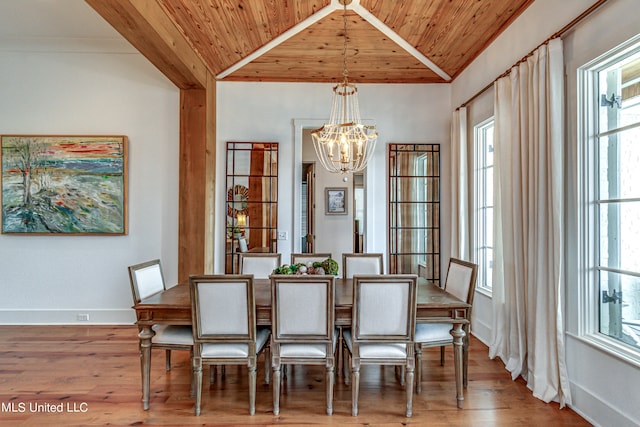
(588, 219)
(479, 136)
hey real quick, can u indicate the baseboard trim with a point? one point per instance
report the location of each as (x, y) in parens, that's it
(67, 317)
(595, 411)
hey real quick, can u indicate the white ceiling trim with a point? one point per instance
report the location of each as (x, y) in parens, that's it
(392, 35)
(325, 11)
(281, 38)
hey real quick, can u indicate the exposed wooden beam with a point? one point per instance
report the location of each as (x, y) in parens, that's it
(146, 26)
(192, 187)
(210, 177)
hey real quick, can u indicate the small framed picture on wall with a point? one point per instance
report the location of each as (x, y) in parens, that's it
(335, 201)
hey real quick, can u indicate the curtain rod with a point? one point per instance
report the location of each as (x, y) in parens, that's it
(560, 33)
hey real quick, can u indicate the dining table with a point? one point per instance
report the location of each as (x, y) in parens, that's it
(173, 306)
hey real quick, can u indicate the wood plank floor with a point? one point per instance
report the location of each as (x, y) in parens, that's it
(92, 373)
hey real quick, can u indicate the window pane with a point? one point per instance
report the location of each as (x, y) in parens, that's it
(618, 90)
(484, 201)
(620, 236)
(489, 186)
(618, 163)
(620, 307)
(489, 227)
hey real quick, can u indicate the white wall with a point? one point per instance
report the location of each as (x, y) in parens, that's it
(604, 387)
(88, 90)
(271, 112)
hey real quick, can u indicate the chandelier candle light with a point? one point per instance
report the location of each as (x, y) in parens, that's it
(344, 144)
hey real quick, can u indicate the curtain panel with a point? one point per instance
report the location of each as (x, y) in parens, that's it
(459, 186)
(528, 282)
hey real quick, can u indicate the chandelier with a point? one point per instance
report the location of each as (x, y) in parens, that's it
(344, 144)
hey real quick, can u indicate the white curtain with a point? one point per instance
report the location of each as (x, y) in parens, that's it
(528, 281)
(459, 186)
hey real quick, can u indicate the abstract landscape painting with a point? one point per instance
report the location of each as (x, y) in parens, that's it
(64, 184)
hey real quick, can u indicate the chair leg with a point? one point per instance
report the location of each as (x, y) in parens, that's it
(252, 388)
(276, 389)
(168, 359)
(197, 373)
(338, 354)
(409, 389)
(465, 362)
(330, 379)
(267, 365)
(193, 377)
(345, 365)
(418, 368)
(355, 387)
(442, 355)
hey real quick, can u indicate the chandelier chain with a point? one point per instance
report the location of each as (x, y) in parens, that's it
(344, 51)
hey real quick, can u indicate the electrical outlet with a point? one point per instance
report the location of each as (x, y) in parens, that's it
(282, 235)
(82, 317)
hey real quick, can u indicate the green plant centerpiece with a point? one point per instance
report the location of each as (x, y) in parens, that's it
(328, 266)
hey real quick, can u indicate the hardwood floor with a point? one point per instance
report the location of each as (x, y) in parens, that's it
(92, 374)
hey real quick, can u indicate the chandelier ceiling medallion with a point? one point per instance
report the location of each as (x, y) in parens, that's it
(344, 144)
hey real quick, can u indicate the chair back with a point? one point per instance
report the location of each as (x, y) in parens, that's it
(384, 308)
(302, 308)
(261, 265)
(223, 308)
(146, 279)
(356, 264)
(309, 257)
(461, 279)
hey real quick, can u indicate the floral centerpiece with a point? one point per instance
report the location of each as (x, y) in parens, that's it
(328, 266)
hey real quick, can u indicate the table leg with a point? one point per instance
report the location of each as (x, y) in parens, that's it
(458, 333)
(145, 335)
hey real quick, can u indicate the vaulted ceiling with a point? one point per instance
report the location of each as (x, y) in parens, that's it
(389, 41)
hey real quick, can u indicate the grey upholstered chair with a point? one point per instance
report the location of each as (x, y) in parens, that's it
(261, 265)
(223, 314)
(146, 279)
(367, 263)
(309, 257)
(383, 327)
(303, 327)
(460, 282)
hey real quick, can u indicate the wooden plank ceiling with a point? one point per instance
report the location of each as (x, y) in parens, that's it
(389, 41)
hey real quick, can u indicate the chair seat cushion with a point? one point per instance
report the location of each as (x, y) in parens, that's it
(377, 350)
(433, 332)
(234, 350)
(172, 334)
(307, 350)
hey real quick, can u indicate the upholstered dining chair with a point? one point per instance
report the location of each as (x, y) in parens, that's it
(309, 257)
(146, 279)
(383, 328)
(361, 263)
(303, 327)
(223, 314)
(260, 264)
(460, 282)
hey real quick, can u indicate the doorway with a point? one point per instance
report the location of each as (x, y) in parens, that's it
(308, 207)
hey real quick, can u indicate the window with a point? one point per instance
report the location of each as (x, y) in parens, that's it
(610, 141)
(483, 193)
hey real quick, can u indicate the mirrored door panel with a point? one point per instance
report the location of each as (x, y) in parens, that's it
(414, 210)
(251, 201)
